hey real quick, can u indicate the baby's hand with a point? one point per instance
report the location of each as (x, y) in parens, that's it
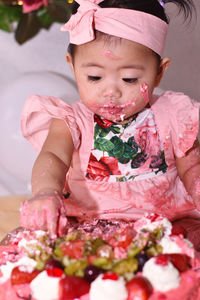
(46, 212)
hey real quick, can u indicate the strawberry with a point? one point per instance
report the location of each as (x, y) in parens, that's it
(123, 239)
(110, 275)
(21, 277)
(180, 261)
(153, 217)
(139, 288)
(55, 272)
(161, 260)
(73, 249)
(72, 287)
(178, 229)
(126, 238)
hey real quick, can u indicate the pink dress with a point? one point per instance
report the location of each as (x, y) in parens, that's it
(122, 171)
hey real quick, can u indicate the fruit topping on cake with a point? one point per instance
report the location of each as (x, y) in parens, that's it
(139, 288)
(101, 260)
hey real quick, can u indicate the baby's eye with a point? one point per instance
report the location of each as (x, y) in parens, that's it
(93, 78)
(130, 80)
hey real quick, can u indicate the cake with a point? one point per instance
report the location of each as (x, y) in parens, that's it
(101, 260)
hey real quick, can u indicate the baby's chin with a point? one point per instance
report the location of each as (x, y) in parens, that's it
(119, 119)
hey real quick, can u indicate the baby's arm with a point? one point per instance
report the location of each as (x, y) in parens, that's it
(48, 179)
(51, 166)
(189, 172)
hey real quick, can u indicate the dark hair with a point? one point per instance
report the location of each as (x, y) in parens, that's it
(152, 7)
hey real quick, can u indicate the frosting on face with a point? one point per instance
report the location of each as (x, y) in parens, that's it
(109, 54)
(144, 91)
(109, 110)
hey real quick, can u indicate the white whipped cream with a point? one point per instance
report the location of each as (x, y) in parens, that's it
(7, 268)
(163, 278)
(146, 223)
(107, 289)
(169, 246)
(45, 287)
(25, 243)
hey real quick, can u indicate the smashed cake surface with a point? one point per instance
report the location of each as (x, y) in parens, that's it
(104, 248)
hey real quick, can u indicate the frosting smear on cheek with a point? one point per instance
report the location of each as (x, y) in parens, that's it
(144, 91)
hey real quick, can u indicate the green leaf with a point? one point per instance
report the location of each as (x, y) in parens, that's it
(131, 141)
(129, 151)
(28, 27)
(44, 18)
(103, 144)
(115, 129)
(104, 132)
(5, 24)
(162, 167)
(122, 150)
(97, 130)
(8, 15)
(100, 131)
(123, 160)
(121, 179)
(59, 10)
(13, 13)
(119, 148)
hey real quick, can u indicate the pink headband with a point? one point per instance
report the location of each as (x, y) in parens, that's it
(132, 25)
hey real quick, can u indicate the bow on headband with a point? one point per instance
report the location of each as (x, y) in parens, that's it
(133, 25)
(80, 24)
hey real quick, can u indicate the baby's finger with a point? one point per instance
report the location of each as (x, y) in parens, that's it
(41, 219)
(52, 228)
(52, 222)
(62, 225)
(25, 218)
(62, 220)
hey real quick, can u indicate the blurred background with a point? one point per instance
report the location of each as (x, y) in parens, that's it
(38, 67)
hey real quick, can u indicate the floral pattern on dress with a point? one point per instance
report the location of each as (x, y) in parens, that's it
(132, 151)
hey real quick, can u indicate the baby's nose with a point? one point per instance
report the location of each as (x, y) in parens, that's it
(112, 92)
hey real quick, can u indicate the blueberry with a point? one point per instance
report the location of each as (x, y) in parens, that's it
(142, 258)
(91, 273)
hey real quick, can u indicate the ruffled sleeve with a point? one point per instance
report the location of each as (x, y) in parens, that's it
(36, 118)
(184, 121)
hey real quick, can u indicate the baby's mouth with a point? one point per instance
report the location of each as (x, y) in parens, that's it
(115, 112)
(114, 108)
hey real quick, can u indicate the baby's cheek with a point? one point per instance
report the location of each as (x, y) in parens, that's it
(141, 97)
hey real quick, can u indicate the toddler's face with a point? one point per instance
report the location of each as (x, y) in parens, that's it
(115, 80)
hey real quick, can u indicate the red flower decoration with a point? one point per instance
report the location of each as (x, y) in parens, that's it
(30, 5)
(101, 169)
(102, 122)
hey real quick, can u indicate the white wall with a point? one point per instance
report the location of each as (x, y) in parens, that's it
(183, 47)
